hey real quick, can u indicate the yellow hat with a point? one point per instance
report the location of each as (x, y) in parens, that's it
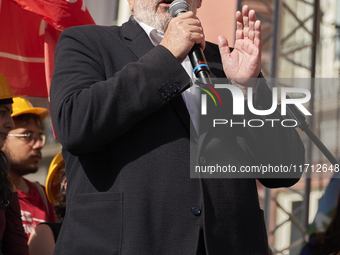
(23, 106)
(5, 91)
(52, 185)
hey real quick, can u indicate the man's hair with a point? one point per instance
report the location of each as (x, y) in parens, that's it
(23, 120)
(60, 205)
(5, 184)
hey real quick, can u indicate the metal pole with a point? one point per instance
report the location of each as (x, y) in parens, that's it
(311, 109)
(275, 39)
(273, 74)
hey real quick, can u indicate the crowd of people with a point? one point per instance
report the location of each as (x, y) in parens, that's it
(25, 206)
(12, 236)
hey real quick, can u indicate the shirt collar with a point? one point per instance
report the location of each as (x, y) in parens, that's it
(154, 35)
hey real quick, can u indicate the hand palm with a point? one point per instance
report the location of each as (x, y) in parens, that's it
(244, 62)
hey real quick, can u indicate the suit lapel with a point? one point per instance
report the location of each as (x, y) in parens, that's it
(136, 38)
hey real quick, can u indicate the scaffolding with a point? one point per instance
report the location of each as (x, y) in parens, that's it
(291, 47)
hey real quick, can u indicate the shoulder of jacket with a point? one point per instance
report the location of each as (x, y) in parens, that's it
(90, 30)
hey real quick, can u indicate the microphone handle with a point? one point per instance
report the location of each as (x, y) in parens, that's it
(199, 64)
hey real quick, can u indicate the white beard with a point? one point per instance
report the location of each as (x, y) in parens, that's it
(155, 16)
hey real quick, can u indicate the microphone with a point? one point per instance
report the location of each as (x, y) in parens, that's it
(196, 56)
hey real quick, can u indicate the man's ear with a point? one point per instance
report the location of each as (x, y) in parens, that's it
(199, 3)
(131, 4)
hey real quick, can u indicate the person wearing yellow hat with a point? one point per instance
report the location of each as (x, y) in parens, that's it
(52, 184)
(23, 106)
(6, 100)
(23, 147)
(12, 236)
(44, 236)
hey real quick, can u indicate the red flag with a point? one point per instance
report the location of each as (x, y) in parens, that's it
(29, 33)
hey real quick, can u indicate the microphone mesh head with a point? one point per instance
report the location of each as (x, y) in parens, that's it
(177, 7)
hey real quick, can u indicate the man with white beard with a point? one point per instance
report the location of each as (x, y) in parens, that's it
(119, 106)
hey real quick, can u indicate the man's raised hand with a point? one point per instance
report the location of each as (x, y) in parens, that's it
(244, 61)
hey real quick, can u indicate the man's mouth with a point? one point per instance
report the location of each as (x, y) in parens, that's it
(165, 3)
(36, 156)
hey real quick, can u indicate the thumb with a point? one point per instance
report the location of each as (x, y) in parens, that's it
(223, 46)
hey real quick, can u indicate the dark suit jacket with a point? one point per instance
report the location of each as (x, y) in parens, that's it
(117, 111)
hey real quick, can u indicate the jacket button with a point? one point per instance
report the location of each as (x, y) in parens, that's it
(203, 161)
(164, 96)
(196, 210)
(173, 89)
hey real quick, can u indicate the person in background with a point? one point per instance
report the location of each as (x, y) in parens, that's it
(328, 242)
(44, 236)
(13, 240)
(23, 148)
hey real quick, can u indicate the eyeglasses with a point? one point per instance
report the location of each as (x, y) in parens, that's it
(31, 138)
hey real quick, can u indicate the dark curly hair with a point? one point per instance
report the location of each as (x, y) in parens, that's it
(5, 183)
(60, 204)
(328, 242)
(24, 119)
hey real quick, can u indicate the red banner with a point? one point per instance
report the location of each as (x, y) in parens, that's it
(29, 33)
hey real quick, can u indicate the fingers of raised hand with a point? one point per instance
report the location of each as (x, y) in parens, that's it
(239, 25)
(252, 20)
(247, 25)
(223, 46)
(245, 14)
(257, 39)
(242, 23)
